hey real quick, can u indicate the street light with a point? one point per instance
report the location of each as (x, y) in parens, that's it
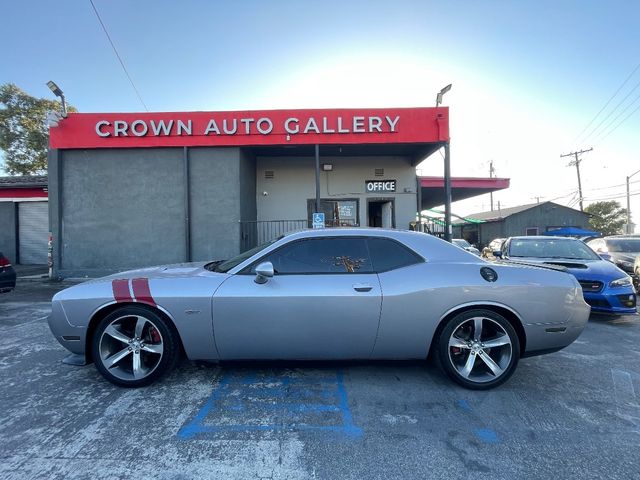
(441, 93)
(629, 203)
(447, 176)
(58, 93)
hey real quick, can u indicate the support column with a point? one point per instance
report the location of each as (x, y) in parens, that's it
(54, 188)
(317, 178)
(419, 201)
(187, 204)
(447, 194)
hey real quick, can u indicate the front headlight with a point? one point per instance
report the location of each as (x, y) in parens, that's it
(621, 282)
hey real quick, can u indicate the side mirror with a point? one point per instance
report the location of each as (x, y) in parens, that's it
(497, 253)
(264, 272)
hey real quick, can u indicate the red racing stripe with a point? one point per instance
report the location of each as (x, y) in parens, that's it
(121, 290)
(141, 291)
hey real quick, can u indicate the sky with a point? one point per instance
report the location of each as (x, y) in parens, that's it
(529, 77)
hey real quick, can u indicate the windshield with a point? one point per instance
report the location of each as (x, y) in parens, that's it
(461, 242)
(543, 248)
(624, 245)
(224, 266)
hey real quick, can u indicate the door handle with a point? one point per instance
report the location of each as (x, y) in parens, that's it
(362, 287)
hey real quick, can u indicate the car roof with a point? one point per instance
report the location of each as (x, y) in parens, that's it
(543, 237)
(348, 231)
(425, 245)
(629, 236)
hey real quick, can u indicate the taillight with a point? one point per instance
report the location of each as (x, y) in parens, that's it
(4, 262)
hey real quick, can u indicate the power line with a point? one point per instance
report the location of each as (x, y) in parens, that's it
(620, 123)
(118, 55)
(607, 103)
(610, 186)
(604, 131)
(613, 111)
(613, 197)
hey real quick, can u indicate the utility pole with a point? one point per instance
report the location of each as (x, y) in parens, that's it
(576, 161)
(629, 229)
(491, 172)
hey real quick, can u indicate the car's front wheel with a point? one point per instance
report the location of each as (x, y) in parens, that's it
(133, 346)
(479, 349)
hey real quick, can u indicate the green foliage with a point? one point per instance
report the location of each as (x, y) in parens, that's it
(24, 135)
(608, 218)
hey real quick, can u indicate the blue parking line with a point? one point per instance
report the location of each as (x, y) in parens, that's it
(234, 388)
(487, 435)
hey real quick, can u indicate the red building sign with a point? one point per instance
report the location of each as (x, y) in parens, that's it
(252, 128)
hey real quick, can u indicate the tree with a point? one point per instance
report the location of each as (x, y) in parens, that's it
(608, 218)
(24, 135)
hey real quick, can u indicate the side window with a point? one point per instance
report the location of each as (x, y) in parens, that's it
(321, 255)
(388, 255)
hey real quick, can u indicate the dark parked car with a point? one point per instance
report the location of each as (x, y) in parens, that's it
(463, 244)
(622, 249)
(605, 287)
(7, 275)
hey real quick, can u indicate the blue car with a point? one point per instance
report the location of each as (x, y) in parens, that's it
(605, 287)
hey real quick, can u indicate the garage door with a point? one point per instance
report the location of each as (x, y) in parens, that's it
(33, 232)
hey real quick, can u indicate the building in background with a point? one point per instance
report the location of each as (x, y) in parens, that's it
(138, 189)
(24, 219)
(533, 219)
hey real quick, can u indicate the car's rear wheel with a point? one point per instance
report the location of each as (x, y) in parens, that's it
(133, 346)
(479, 349)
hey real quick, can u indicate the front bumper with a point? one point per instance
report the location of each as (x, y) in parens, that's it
(70, 337)
(613, 300)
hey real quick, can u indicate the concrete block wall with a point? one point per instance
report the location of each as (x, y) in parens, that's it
(119, 209)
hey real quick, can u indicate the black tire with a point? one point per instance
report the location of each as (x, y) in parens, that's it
(453, 359)
(122, 341)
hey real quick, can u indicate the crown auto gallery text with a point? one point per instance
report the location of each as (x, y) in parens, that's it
(248, 126)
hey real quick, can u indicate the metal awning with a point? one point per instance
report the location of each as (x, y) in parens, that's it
(432, 188)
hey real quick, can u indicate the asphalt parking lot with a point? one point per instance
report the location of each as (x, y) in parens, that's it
(572, 414)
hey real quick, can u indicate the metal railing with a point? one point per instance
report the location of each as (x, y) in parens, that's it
(430, 227)
(254, 233)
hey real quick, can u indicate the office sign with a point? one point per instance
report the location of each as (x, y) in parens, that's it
(380, 186)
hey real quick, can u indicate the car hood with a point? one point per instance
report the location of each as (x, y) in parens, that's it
(161, 271)
(582, 269)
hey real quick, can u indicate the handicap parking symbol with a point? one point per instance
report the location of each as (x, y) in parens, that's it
(254, 401)
(318, 220)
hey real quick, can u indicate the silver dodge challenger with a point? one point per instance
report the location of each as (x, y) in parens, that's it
(332, 294)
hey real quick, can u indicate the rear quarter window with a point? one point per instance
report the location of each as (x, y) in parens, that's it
(387, 254)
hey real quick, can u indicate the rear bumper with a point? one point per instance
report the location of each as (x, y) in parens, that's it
(7, 279)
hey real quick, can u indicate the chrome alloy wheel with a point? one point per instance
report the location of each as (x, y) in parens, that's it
(480, 349)
(131, 347)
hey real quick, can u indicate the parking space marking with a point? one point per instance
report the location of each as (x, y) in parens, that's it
(625, 396)
(263, 401)
(485, 434)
